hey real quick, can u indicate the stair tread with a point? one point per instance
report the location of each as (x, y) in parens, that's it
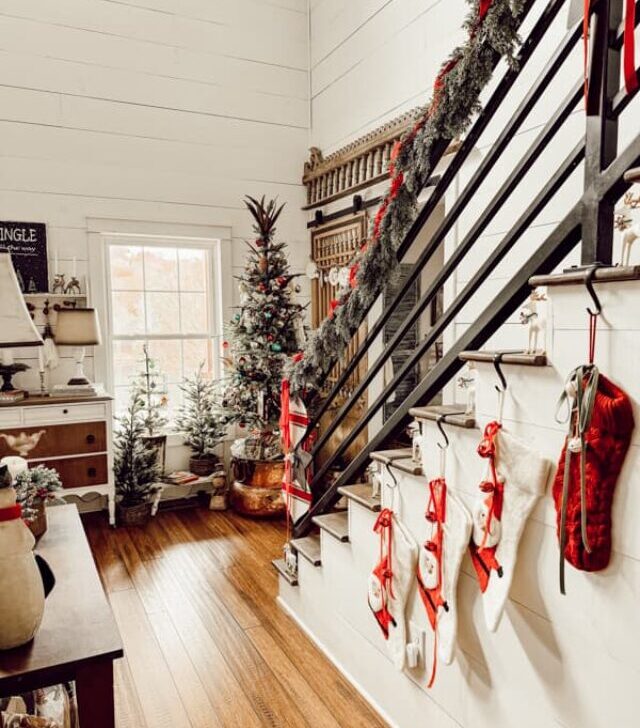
(454, 413)
(388, 456)
(309, 547)
(610, 274)
(510, 357)
(336, 524)
(361, 493)
(407, 466)
(280, 567)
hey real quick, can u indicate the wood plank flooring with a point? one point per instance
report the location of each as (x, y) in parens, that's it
(206, 645)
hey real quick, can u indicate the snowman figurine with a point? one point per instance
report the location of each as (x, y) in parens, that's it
(22, 577)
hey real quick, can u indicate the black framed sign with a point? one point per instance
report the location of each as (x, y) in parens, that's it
(27, 243)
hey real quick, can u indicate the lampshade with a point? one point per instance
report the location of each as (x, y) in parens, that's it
(78, 327)
(16, 325)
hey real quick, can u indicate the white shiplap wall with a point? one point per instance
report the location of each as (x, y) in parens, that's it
(371, 60)
(152, 110)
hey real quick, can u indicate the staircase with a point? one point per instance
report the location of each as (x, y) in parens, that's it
(559, 661)
(554, 661)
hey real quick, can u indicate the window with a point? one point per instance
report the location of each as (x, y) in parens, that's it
(160, 295)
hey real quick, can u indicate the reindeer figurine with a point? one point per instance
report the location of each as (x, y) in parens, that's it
(373, 472)
(467, 383)
(630, 232)
(531, 316)
(414, 431)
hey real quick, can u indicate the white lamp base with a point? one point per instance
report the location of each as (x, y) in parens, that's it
(79, 377)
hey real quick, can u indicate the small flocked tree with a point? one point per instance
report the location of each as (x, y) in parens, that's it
(151, 385)
(135, 463)
(267, 328)
(199, 419)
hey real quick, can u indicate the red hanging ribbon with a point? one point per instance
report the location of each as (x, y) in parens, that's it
(586, 22)
(630, 73)
(593, 323)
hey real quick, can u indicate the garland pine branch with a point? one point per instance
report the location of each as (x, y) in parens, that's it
(492, 27)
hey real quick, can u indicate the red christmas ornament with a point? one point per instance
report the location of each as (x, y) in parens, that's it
(225, 344)
(298, 357)
(353, 272)
(333, 305)
(281, 281)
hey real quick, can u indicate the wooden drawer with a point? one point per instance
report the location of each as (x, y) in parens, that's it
(53, 414)
(59, 440)
(81, 471)
(10, 417)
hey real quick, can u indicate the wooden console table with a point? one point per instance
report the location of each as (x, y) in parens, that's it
(78, 639)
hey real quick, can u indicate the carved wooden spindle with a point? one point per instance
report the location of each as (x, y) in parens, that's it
(377, 157)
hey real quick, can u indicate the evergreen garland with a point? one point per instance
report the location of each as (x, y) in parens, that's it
(493, 28)
(135, 465)
(267, 328)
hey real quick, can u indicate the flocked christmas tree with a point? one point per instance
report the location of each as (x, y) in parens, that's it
(135, 463)
(267, 328)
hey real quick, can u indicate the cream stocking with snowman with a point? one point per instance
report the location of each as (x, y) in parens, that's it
(439, 562)
(516, 477)
(391, 580)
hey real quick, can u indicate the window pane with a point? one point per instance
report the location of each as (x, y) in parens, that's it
(162, 313)
(121, 396)
(127, 360)
(126, 268)
(168, 357)
(193, 270)
(161, 269)
(128, 313)
(193, 311)
(196, 351)
(174, 401)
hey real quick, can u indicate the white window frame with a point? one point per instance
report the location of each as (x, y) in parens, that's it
(103, 233)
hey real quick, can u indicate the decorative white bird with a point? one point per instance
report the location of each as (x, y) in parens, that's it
(23, 444)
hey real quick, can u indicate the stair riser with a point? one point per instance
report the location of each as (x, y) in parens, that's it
(535, 583)
(465, 470)
(535, 580)
(315, 606)
(533, 392)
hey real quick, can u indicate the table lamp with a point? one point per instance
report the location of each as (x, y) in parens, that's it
(78, 327)
(16, 325)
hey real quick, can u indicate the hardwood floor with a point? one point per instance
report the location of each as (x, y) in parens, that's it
(206, 645)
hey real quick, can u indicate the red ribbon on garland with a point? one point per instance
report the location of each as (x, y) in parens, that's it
(629, 46)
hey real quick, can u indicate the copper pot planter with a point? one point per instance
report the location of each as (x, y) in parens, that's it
(256, 488)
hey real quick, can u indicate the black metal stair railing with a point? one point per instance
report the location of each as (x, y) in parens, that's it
(590, 220)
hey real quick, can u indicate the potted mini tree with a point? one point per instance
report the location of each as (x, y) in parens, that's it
(135, 466)
(152, 386)
(34, 488)
(201, 422)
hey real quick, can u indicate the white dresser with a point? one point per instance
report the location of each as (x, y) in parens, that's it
(75, 439)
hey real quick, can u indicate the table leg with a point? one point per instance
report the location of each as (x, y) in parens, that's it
(94, 689)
